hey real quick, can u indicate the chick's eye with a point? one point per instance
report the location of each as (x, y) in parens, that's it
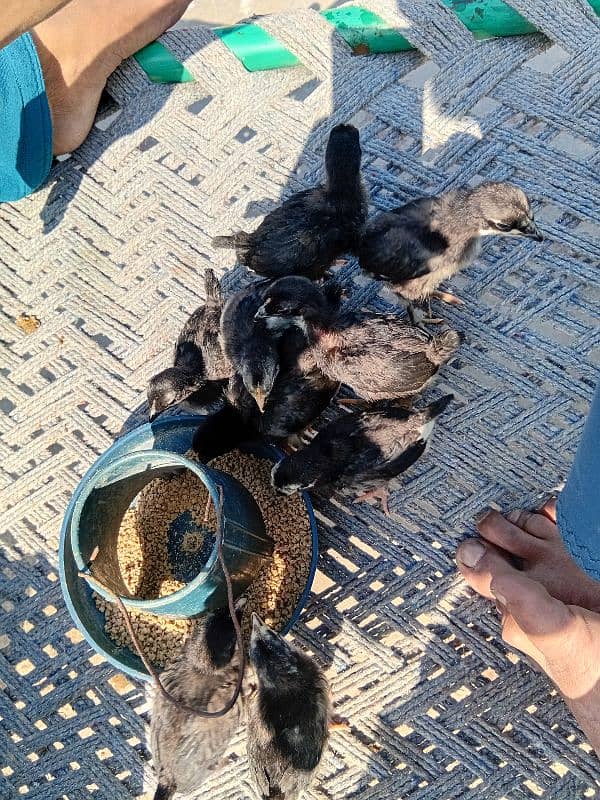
(503, 226)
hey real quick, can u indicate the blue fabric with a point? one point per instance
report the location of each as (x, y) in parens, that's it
(578, 513)
(25, 122)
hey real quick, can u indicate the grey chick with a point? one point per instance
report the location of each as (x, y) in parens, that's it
(287, 717)
(249, 344)
(426, 241)
(379, 356)
(312, 228)
(362, 451)
(200, 368)
(187, 748)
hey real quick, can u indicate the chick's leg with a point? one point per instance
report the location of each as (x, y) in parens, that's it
(419, 318)
(337, 723)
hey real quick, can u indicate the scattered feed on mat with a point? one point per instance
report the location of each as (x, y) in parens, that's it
(28, 323)
(146, 566)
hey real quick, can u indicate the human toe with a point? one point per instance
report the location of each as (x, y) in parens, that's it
(538, 615)
(502, 532)
(479, 562)
(549, 509)
(534, 523)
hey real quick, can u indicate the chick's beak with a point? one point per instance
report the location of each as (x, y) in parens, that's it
(258, 626)
(153, 412)
(532, 232)
(262, 312)
(261, 398)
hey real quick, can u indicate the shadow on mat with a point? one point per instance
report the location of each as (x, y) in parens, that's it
(68, 720)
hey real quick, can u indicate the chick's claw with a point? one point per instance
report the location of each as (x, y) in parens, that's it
(419, 318)
(446, 297)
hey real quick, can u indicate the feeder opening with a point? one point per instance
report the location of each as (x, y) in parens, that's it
(166, 536)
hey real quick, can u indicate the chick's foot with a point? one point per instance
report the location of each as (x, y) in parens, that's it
(382, 494)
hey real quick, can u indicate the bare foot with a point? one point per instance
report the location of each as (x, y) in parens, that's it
(81, 45)
(562, 638)
(532, 542)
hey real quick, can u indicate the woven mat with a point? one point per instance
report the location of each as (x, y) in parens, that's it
(109, 256)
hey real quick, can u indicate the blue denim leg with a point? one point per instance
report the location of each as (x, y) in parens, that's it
(578, 514)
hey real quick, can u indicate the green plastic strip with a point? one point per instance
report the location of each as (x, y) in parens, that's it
(161, 66)
(364, 31)
(255, 48)
(487, 18)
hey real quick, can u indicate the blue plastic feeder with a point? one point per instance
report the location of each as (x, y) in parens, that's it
(94, 515)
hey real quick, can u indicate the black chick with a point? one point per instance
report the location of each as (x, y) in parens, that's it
(248, 344)
(312, 228)
(200, 368)
(187, 748)
(301, 392)
(379, 356)
(225, 431)
(361, 450)
(288, 716)
(426, 241)
(299, 395)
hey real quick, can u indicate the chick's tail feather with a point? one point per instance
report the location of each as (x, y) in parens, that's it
(442, 347)
(235, 240)
(212, 286)
(164, 792)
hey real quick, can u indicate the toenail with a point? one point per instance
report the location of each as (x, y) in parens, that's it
(471, 553)
(481, 515)
(500, 598)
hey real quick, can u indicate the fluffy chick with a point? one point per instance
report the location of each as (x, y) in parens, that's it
(312, 228)
(362, 451)
(300, 394)
(200, 368)
(187, 748)
(248, 343)
(426, 241)
(379, 356)
(287, 717)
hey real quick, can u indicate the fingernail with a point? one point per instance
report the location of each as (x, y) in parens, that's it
(471, 553)
(513, 516)
(481, 515)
